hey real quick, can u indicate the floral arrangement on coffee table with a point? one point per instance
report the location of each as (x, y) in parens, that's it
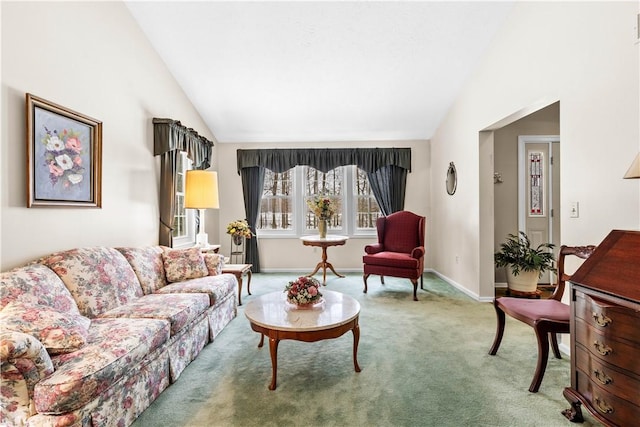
(240, 228)
(322, 206)
(303, 291)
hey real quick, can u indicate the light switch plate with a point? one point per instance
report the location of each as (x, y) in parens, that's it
(575, 210)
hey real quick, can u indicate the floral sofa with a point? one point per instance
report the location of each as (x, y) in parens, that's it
(91, 336)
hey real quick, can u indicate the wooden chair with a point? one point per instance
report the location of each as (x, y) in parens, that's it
(399, 251)
(547, 317)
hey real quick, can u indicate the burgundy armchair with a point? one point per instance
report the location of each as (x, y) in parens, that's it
(399, 251)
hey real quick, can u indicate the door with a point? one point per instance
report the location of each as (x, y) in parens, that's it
(539, 192)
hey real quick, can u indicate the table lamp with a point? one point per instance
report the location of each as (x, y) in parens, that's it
(201, 192)
(634, 170)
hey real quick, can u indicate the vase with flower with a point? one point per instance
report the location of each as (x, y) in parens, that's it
(304, 292)
(324, 208)
(239, 230)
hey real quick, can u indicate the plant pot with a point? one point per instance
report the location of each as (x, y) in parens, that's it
(237, 240)
(525, 281)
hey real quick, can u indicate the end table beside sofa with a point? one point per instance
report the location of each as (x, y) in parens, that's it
(91, 336)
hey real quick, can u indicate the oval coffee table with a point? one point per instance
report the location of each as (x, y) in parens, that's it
(273, 316)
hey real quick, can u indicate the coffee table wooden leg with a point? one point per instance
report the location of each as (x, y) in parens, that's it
(239, 277)
(249, 282)
(261, 341)
(356, 339)
(273, 349)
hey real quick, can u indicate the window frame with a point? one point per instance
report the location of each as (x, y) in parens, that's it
(299, 208)
(189, 238)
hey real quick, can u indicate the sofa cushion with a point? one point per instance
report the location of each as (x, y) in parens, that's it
(59, 332)
(216, 287)
(178, 309)
(99, 278)
(184, 264)
(214, 263)
(113, 347)
(36, 284)
(148, 265)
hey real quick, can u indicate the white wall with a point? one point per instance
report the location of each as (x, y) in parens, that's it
(93, 58)
(582, 54)
(289, 254)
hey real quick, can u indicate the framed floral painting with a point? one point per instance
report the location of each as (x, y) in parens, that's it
(64, 156)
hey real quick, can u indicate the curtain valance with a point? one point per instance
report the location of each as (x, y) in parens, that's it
(325, 159)
(170, 135)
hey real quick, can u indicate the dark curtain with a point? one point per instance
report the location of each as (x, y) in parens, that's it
(169, 139)
(252, 183)
(170, 135)
(388, 185)
(325, 159)
(168, 163)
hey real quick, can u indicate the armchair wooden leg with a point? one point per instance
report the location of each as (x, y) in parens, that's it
(415, 289)
(421, 284)
(382, 279)
(500, 317)
(365, 277)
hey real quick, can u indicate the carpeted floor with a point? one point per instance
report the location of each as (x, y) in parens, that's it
(423, 363)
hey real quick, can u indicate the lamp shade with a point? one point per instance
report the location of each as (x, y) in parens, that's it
(634, 170)
(201, 190)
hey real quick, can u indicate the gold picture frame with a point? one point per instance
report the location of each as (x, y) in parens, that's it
(64, 156)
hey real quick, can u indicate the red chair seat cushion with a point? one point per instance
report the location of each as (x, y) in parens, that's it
(391, 259)
(536, 309)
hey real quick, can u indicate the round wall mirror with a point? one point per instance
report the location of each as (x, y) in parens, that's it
(452, 179)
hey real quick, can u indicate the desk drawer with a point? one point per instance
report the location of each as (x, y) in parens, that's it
(607, 316)
(607, 349)
(615, 409)
(607, 377)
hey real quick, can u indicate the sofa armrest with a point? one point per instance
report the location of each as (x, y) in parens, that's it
(418, 252)
(374, 248)
(25, 362)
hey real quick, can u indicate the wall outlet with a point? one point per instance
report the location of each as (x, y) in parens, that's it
(574, 210)
(457, 259)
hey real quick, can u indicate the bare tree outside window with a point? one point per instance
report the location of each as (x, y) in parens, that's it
(328, 184)
(367, 211)
(276, 211)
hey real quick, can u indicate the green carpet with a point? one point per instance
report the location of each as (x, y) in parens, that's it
(423, 363)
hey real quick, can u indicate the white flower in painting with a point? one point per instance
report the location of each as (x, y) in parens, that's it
(54, 143)
(75, 178)
(64, 162)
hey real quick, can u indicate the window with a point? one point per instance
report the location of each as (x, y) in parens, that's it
(284, 212)
(184, 230)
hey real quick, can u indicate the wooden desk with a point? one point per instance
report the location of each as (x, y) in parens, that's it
(239, 270)
(273, 316)
(324, 243)
(605, 339)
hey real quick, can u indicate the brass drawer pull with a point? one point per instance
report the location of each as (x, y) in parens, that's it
(601, 319)
(603, 378)
(602, 349)
(603, 406)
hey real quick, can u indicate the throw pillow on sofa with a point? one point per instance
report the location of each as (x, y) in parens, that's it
(59, 332)
(214, 263)
(184, 264)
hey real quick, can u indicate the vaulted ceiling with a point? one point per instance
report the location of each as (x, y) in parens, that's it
(320, 71)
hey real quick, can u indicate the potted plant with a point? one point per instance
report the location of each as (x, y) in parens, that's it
(524, 263)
